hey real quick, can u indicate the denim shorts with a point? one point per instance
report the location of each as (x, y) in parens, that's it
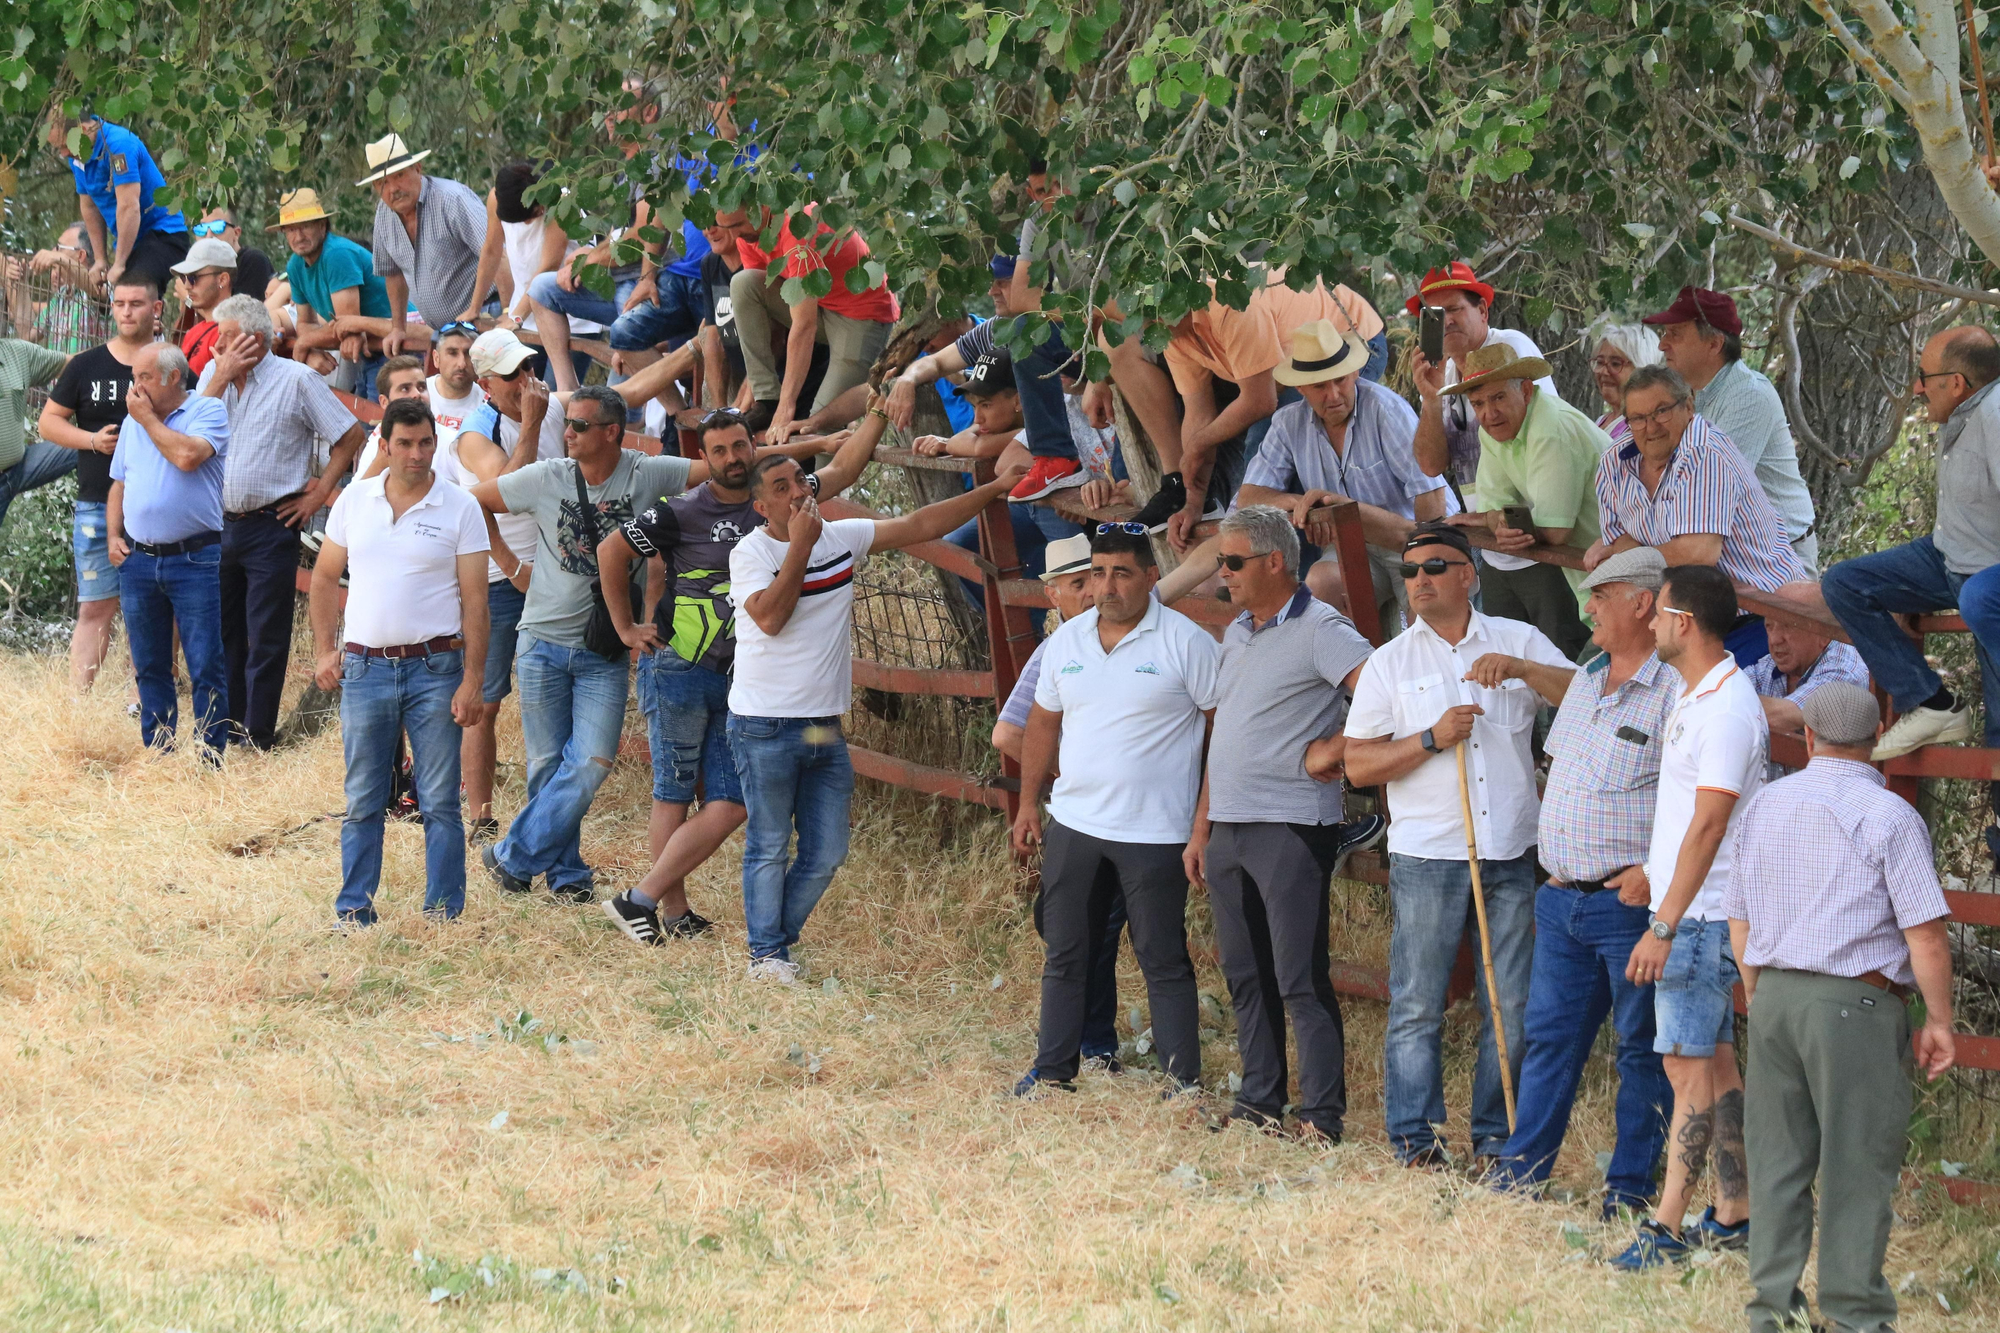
(687, 716)
(96, 576)
(1694, 1001)
(503, 613)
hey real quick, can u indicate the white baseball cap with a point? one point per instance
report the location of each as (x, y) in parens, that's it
(499, 352)
(208, 252)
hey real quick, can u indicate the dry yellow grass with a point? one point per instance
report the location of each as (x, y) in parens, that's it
(213, 1116)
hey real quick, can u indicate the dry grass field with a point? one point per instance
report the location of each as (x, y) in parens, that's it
(215, 1116)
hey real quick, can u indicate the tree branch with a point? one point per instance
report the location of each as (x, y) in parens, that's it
(1860, 54)
(1862, 267)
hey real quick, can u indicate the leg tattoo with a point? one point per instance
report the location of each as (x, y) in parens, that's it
(1732, 1178)
(1694, 1139)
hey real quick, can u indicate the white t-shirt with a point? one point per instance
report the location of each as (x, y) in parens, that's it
(1132, 724)
(484, 419)
(451, 413)
(1523, 345)
(1404, 689)
(403, 573)
(1716, 737)
(807, 668)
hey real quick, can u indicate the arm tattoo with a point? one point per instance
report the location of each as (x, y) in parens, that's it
(1694, 1140)
(1731, 1176)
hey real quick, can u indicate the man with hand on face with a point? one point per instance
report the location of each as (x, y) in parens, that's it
(415, 611)
(1596, 820)
(279, 410)
(1419, 697)
(1269, 832)
(792, 584)
(1447, 441)
(685, 656)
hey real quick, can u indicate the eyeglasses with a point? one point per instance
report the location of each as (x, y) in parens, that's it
(1609, 363)
(1657, 418)
(213, 227)
(1129, 529)
(580, 426)
(1435, 567)
(1926, 376)
(1663, 609)
(459, 327)
(1234, 563)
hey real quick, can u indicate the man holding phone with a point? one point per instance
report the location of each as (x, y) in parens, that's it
(1447, 433)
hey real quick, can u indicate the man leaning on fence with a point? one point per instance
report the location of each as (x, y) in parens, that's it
(164, 513)
(1834, 908)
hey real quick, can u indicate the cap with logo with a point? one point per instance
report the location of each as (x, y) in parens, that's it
(208, 252)
(499, 352)
(990, 374)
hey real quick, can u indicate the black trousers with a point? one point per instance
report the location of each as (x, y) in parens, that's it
(155, 253)
(1100, 986)
(1155, 889)
(1267, 885)
(260, 570)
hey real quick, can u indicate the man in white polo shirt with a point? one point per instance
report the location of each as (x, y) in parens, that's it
(1127, 690)
(416, 611)
(1416, 701)
(792, 582)
(1717, 743)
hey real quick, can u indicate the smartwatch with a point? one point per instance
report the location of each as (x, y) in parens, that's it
(1661, 930)
(1430, 741)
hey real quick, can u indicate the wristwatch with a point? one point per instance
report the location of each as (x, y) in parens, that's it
(1430, 741)
(1661, 930)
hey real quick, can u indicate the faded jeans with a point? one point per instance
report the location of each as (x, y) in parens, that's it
(380, 699)
(796, 775)
(572, 711)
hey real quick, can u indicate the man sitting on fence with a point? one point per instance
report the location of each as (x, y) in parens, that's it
(207, 279)
(115, 184)
(334, 284)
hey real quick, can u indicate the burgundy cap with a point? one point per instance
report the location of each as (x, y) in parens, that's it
(1700, 303)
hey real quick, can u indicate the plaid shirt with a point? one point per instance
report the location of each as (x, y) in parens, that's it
(275, 419)
(1838, 662)
(1830, 869)
(1707, 487)
(1604, 770)
(443, 262)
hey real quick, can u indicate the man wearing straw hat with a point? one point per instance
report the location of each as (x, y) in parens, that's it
(333, 282)
(1447, 435)
(1835, 909)
(1350, 437)
(1414, 704)
(428, 235)
(1538, 454)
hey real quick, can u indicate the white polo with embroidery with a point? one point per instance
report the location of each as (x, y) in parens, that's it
(1132, 727)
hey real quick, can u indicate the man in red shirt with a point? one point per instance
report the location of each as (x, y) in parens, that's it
(208, 278)
(854, 325)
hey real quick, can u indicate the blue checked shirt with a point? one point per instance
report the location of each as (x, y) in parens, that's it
(275, 421)
(1377, 465)
(1604, 771)
(1838, 662)
(1707, 488)
(1830, 868)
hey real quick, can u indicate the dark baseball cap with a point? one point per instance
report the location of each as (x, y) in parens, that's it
(1714, 308)
(989, 375)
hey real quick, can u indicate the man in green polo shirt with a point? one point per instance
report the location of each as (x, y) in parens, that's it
(1537, 453)
(25, 466)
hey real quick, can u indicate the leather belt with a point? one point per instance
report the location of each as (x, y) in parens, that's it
(160, 550)
(1590, 885)
(1880, 982)
(270, 509)
(448, 644)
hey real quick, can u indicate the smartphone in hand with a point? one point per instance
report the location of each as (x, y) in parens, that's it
(1430, 334)
(1521, 518)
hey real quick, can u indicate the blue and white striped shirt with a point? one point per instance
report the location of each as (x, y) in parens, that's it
(1707, 488)
(1377, 465)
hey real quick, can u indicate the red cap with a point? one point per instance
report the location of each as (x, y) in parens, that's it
(1457, 273)
(1716, 309)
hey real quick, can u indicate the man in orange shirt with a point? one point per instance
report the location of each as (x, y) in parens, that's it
(854, 325)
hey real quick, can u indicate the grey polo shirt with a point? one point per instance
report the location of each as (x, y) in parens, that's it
(443, 262)
(1968, 485)
(1279, 689)
(1744, 405)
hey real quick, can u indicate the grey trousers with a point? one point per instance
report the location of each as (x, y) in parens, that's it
(1540, 595)
(1827, 1096)
(1268, 890)
(851, 344)
(1155, 887)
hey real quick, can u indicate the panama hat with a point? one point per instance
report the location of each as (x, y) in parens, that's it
(1496, 361)
(1071, 555)
(296, 207)
(389, 155)
(1321, 352)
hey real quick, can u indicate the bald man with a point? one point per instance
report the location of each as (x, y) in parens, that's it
(1957, 565)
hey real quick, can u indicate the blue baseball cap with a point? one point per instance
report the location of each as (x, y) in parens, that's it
(1002, 266)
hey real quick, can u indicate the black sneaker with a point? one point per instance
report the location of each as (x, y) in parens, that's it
(1169, 500)
(687, 925)
(482, 832)
(512, 883)
(640, 923)
(1035, 1080)
(1357, 835)
(575, 893)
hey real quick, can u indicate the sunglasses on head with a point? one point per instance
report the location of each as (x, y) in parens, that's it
(1130, 529)
(213, 227)
(462, 327)
(719, 417)
(1435, 566)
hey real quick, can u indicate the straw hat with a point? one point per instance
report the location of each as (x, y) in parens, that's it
(298, 206)
(1321, 352)
(1496, 361)
(389, 155)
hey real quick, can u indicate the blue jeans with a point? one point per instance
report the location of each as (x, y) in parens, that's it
(1582, 943)
(1254, 433)
(796, 774)
(155, 594)
(676, 314)
(572, 711)
(1433, 906)
(1378, 357)
(504, 603)
(381, 699)
(366, 369)
(1038, 377)
(1864, 592)
(40, 465)
(687, 707)
(583, 303)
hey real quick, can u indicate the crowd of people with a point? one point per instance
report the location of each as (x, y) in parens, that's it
(1531, 565)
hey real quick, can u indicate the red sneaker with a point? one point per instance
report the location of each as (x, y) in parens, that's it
(1049, 474)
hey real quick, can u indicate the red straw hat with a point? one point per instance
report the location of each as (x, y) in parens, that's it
(1458, 274)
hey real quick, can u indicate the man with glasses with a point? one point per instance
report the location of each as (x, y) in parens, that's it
(1269, 831)
(1958, 564)
(1682, 487)
(253, 266)
(335, 288)
(207, 278)
(1418, 699)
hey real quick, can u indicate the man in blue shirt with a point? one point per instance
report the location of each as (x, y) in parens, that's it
(115, 184)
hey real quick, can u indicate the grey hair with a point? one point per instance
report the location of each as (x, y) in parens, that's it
(169, 362)
(247, 313)
(1269, 528)
(1660, 376)
(1640, 345)
(610, 407)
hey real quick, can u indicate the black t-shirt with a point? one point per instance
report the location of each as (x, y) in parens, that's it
(715, 276)
(92, 386)
(253, 274)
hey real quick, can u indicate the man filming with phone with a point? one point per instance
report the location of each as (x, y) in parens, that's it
(1453, 306)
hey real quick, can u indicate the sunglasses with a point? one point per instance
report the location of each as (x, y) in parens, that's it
(1234, 563)
(1435, 567)
(214, 227)
(717, 418)
(1129, 529)
(580, 426)
(462, 327)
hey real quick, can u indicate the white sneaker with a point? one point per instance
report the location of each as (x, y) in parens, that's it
(1924, 726)
(774, 969)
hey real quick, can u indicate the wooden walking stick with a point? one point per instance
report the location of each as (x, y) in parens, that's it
(1485, 941)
